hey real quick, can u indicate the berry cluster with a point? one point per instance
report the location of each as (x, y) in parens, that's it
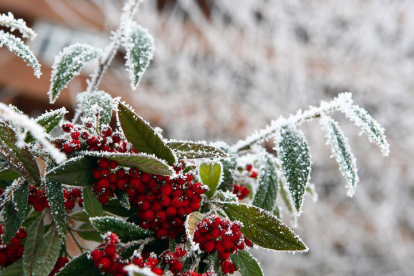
(38, 199)
(241, 191)
(61, 262)
(222, 235)
(108, 260)
(172, 259)
(163, 202)
(13, 250)
(70, 196)
(252, 172)
(106, 140)
(150, 261)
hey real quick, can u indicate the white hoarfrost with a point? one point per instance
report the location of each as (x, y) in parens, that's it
(134, 270)
(10, 22)
(16, 45)
(341, 151)
(21, 121)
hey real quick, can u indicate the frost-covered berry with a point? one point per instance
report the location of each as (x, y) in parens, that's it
(67, 127)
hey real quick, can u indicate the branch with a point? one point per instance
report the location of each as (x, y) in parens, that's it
(343, 100)
(129, 10)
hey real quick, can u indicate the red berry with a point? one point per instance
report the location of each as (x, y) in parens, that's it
(223, 255)
(107, 131)
(161, 233)
(104, 199)
(176, 267)
(195, 206)
(176, 202)
(21, 234)
(148, 215)
(75, 135)
(70, 204)
(67, 127)
(3, 258)
(137, 260)
(134, 172)
(249, 167)
(166, 190)
(157, 271)
(179, 251)
(104, 263)
(110, 250)
(121, 184)
(120, 173)
(113, 164)
(76, 192)
(116, 137)
(62, 261)
(103, 163)
(111, 239)
(171, 212)
(253, 174)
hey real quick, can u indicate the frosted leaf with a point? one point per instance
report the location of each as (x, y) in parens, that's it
(55, 197)
(194, 150)
(16, 45)
(89, 101)
(139, 46)
(48, 120)
(246, 264)
(295, 158)
(342, 152)
(211, 175)
(47, 254)
(288, 201)
(10, 22)
(361, 118)
(68, 64)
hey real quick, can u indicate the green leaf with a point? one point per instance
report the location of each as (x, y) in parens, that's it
(123, 198)
(9, 175)
(54, 193)
(115, 207)
(195, 150)
(75, 171)
(262, 228)
(33, 241)
(139, 46)
(342, 152)
(191, 223)
(125, 230)
(77, 266)
(15, 211)
(375, 132)
(16, 45)
(296, 162)
(47, 255)
(19, 159)
(92, 205)
(15, 269)
(49, 121)
(142, 136)
(144, 162)
(246, 264)
(68, 64)
(229, 166)
(80, 216)
(288, 201)
(266, 192)
(87, 232)
(210, 174)
(87, 101)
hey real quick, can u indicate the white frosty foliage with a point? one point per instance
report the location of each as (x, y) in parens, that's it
(342, 152)
(376, 134)
(17, 46)
(10, 22)
(139, 45)
(97, 102)
(134, 270)
(68, 64)
(21, 121)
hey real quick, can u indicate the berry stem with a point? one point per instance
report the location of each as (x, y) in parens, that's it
(81, 248)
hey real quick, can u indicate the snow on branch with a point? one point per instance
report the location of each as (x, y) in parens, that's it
(342, 101)
(10, 22)
(22, 121)
(16, 45)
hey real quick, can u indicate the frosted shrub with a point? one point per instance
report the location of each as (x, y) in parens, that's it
(155, 206)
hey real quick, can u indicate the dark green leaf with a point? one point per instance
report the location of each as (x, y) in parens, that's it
(77, 266)
(262, 228)
(143, 162)
(87, 232)
(87, 101)
(125, 230)
(142, 135)
(229, 166)
(19, 159)
(210, 175)
(33, 241)
(92, 205)
(47, 255)
(9, 175)
(15, 269)
(54, 193)
(296, 162)
(266, 192)
(123, 198)
(75, 171)
(80, 216)
(194, 150)
(67, 65)
(49, 121)
(139, 46)
(115, 207)
(15, 210)
(246, 264)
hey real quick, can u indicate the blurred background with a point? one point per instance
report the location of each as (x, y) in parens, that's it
(223, 68)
